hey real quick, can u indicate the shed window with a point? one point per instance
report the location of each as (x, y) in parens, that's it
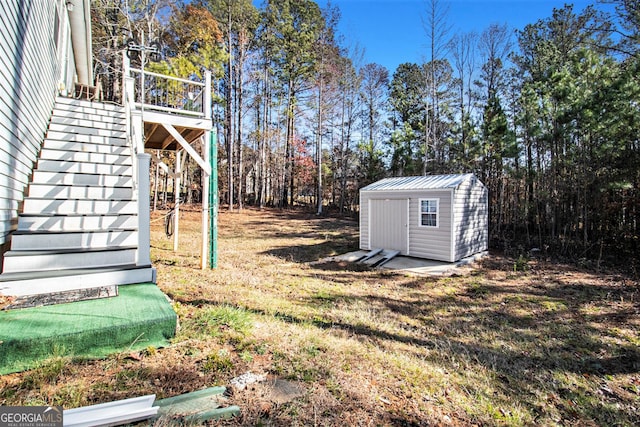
(429, 212)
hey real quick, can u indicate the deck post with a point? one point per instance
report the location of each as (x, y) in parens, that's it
(176, 200)
(206, 108)
(213, 198)
(205, 202)
(143, 257)
(134, 118)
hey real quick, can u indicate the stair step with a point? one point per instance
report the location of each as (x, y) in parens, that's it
(90, 109)
(83, 179)
(107, 117)
(92, 124)
(29, 261)
(77, 234)
(63, 192)
(78, 207)
(52, 223)
(56, 127)
(32, 283)
(83, 156)
(86, 147)
(34, 241)
(84, 168)
(83, 103)
(94, 139)
(90, 113)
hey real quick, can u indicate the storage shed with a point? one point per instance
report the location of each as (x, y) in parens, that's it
(438, 217)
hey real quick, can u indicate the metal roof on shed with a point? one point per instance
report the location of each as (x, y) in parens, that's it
(429, 182)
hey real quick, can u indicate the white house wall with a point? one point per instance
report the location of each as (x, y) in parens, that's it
(471, 219)
(29, 71)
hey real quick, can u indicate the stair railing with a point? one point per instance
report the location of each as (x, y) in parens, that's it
(168, 94)
(128, 100)
(145, 92)
(140, 164)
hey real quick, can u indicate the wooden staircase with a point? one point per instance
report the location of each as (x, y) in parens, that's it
(77, 235)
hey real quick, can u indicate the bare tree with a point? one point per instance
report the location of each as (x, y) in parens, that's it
(239, 20)
(437, 29)
(374, 94)
(494, 44)
(375, 84)
(462, 47)
(328, 52)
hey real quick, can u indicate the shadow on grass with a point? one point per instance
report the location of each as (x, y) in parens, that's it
(525, 351)
(289, 230)
(531, 345)
(313, 252)
(575, 348)
(549, 340)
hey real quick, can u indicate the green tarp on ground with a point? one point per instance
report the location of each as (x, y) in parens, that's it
(139, 317)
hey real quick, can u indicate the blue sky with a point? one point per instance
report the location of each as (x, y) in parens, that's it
(392, 31)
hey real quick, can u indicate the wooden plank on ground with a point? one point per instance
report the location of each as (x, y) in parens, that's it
(386, 258)
(370, 255)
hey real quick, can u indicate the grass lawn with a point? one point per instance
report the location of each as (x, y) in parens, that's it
(505, 343)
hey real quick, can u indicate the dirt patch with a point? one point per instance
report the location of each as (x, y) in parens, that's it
(272, 390)
(333, 265)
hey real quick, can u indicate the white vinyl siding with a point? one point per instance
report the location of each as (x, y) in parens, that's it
(364, 224)
(431, 242)
(471, 233)
(28, 80)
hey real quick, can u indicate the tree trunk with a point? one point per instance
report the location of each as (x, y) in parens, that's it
(229, 114)
(265, 136)
(319, 148)
(288, 166)
(239, 94)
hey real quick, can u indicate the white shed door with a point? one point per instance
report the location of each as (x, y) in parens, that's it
(389, 224)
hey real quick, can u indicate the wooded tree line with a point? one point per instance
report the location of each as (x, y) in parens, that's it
(548, 116)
